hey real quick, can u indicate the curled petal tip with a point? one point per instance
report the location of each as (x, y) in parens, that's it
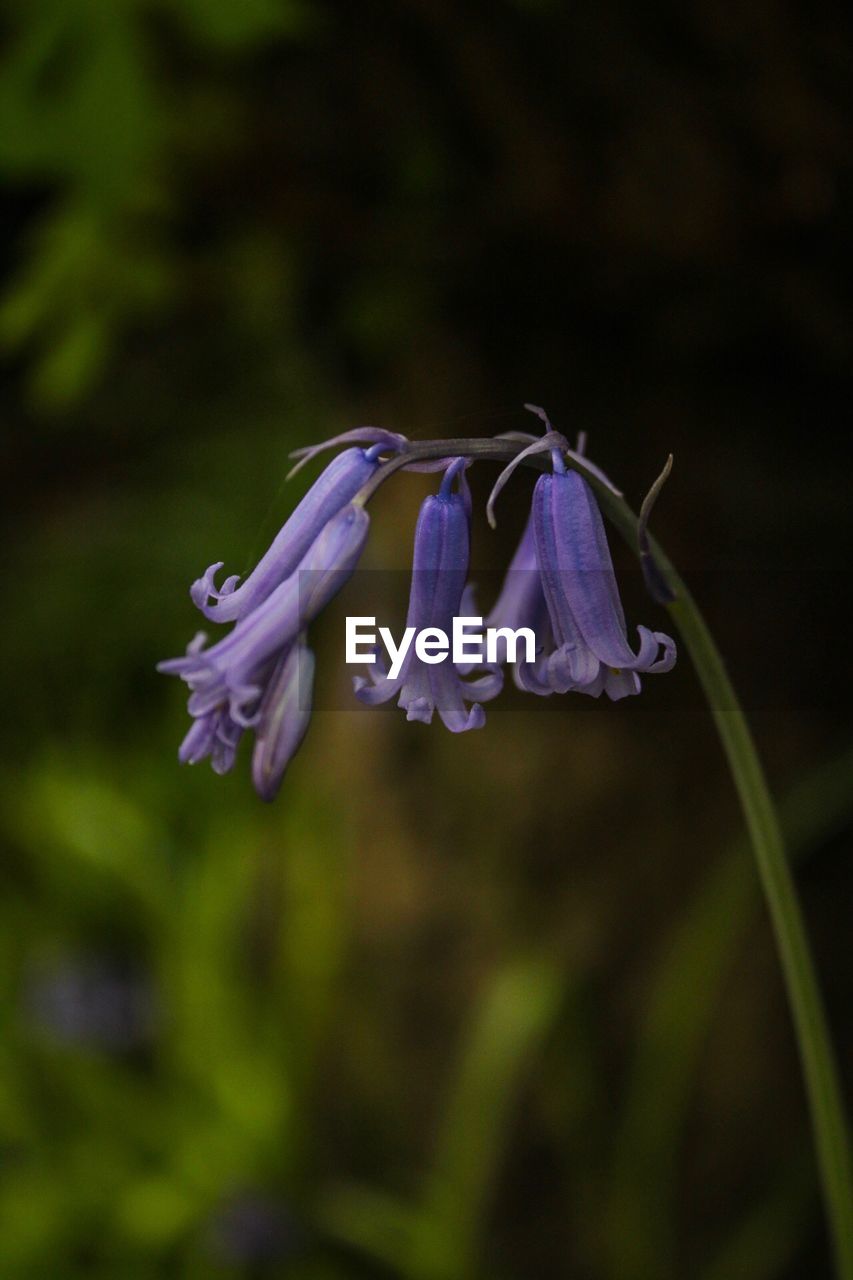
(338, 486)
(476, 717)
(205, 585)
(670, 653)
(259, 676)
(420, 709)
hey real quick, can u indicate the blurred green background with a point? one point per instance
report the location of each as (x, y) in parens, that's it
(498, 1006)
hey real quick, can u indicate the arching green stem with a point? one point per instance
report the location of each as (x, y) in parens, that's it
(810, 1025)
(820, 1072)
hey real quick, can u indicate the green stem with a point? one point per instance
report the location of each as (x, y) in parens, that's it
(810, 1025)
(684, 989)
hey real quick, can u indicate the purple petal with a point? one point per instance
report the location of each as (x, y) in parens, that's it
(577, 573)
(222, 757)
(421, 709)
(572, 667)
(372, 695)
(284, 717)
(439, 570)
(532, 678)
(331, 492)
(484, 688)
(232, 676)
(294, 603)
(670, 653)
(447, 692)
(521, 602)
(199, 739)
(620, 684)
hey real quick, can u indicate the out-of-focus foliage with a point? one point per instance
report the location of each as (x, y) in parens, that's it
(95, 119)
(500, 1005)
(131, 1127)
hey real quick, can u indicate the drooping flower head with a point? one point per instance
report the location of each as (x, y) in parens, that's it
(335, 487)
(560, 587)
(259, 676)
(439, 571)
(592, 653)
(585, 644)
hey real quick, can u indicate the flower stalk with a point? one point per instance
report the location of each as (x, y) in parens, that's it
(259, 676)
(819, 1067)
(823, 1086)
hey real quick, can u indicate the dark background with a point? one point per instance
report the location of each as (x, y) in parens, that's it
(504, 1005)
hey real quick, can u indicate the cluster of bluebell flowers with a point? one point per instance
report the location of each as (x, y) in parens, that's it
(560, 584)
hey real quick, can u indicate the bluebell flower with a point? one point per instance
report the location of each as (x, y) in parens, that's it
(283, 717)
(560, 587)
(215, 734)
(584, 645)
(439, 571)
(591, 652)
(333, 490)
(521, 603)
(259, 676)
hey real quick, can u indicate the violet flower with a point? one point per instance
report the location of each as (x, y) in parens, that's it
(259, 676)
(521, 603)
(560, 585)
(333, 489)
(592, 654)
(439, 570)
(215, 734)
(283, 718)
